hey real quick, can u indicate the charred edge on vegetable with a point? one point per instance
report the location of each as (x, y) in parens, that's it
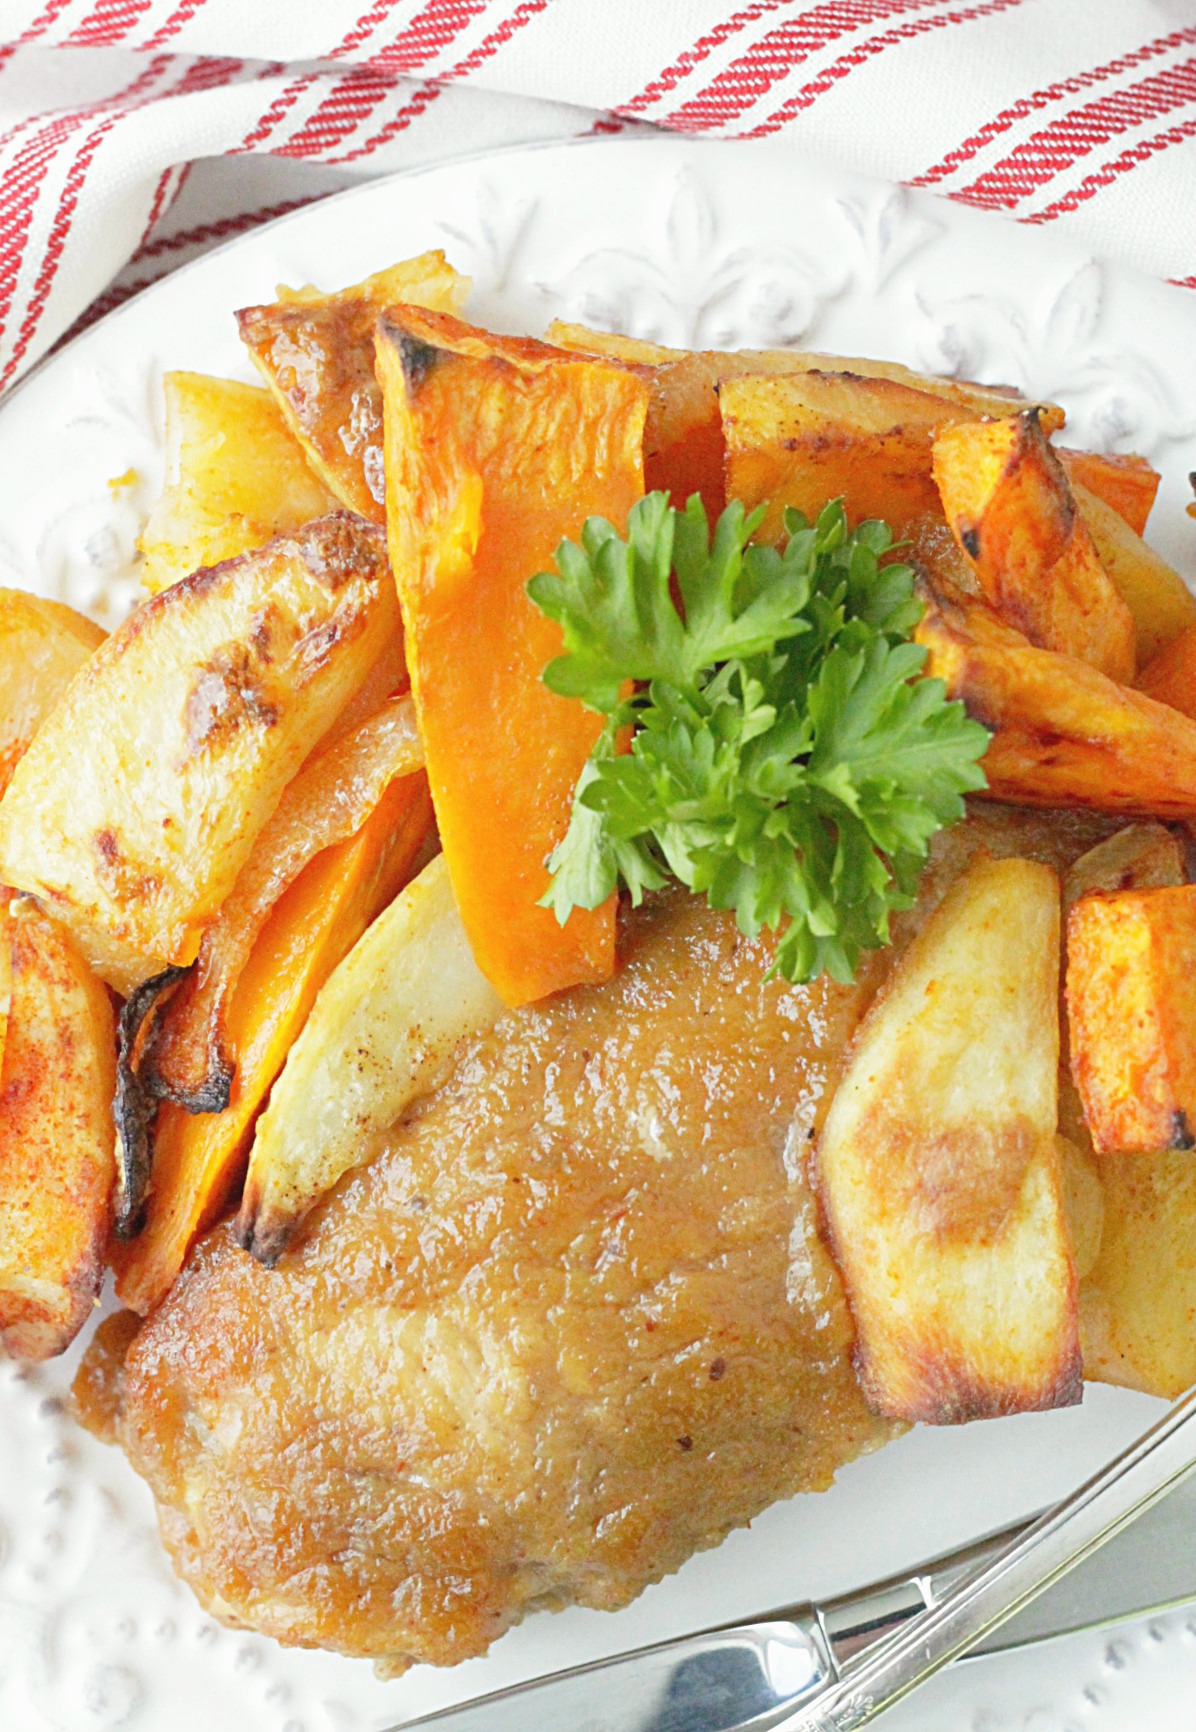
(264, 1242)
(416, 357)
(971, 541)
(1181, 1131)
(211, 1094)
(135, 1107)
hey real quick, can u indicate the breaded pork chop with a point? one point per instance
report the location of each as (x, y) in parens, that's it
(572, 1323)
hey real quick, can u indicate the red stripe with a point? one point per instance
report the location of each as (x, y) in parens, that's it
(18, 188)
(55, 245)
(847, 63)
(1109, 171)
(199, 75)
(428, 34)
(110, 22)
(351, 99)
(1056, 147)
(1009, 117)
(219, 230)
(162, 195)
(49, 15)
(182, 14)
(277, 110)
(1184, 282)
(774, 57)
(427, 94)
(702, 49)
(423, 99)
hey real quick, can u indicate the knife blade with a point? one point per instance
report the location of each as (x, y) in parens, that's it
(837, 1664)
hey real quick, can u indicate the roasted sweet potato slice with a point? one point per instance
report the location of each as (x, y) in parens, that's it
(198, 1158)
(235, 476)
(1160, 601)
(1131, 1005)
(811, 437)
(56, 1161)
(684, 451)
(316, 353)
(1127, 485)
(43, 644)
(1063, 733)
(185, 1058)
(938, 1165)
(496, 448)
(141, 796)
(385, 1030)
(1012, 510)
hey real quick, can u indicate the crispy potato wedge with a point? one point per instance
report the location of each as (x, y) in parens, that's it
(198, 1158)
(1138, 1301)
(186, 1056)
(1010, 506)
(141, 796)
(496, 449)
(1131, 1007)
(684, 451)
(316, 353)
(56, 1160)
(43, 644)
(1083, 1203)
(235, 476)
(1063, 733)
(939, 1170)
(1128, 485)
(1160, 601)
(811, 437)
(1170, 678)
(386, 1029)
(1140, 857)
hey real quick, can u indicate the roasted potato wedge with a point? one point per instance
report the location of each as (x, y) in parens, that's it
(1063, 733)
(684, 451)
(1171, 677)
(141, 796)
(496, 449)
(185, 1057)
(43, 644)
(56, 1159)
(938, 1166)
(1083, 1203)
(811, 437)
(1138, 1302)
(198, 1158)
(1127, 485)
(1160, 601)
(1012, 510)
(1131, 1007)
(235, 476)
(1140, 857)
(316, 353)
(385, 1030)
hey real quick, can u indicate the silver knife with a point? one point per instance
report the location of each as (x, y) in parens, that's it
(837, 1665)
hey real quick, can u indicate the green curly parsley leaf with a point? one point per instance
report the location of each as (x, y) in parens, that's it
(785, 759)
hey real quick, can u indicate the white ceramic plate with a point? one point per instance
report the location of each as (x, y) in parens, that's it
(711, 244)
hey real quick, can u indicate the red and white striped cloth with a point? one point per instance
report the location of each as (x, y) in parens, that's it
(134, 132)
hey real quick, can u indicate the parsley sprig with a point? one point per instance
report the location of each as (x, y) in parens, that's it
(785, 759)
